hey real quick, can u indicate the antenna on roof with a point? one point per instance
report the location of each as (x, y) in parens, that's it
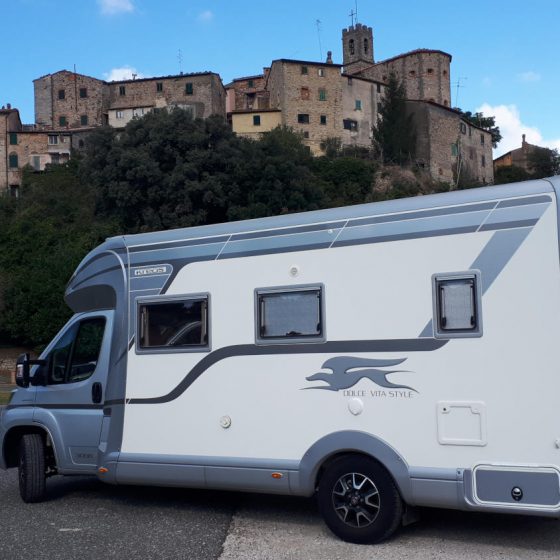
(356, 10)
(352, 15)
(180, 60)
(458, 85)
(318, 24)
(134, 76)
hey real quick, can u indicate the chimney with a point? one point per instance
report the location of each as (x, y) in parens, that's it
(523, 139)
(9, 106)
(329, 57)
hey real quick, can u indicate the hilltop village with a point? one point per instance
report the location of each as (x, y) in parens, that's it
(321, 100)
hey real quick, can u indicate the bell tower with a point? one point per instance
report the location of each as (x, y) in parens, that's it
(357, 47)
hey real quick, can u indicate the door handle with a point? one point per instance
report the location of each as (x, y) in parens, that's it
(96, 392)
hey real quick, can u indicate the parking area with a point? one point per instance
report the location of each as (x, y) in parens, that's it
(84, 518)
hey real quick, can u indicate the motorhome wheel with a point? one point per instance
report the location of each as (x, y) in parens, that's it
(32, 487)
(359, 500)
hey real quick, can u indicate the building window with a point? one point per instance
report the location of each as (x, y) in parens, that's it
(471, 153)
(351, 46)
(81, 144)
(304, 93)
(430, 70)
(349, 124)
(14, 191)
(13, 139)
(349, 81)
(304, 70)
(122, 90)
(358, 105)
(53, 139)
(378, 107)
(445, 102)
(323, 119)
(470, 131)
(445, 72)
(83, 92)
(482, 139)
(173, 324)
(303, 118)
(36, 162)
(412, 73)
(454, 150)
(120, 115)
(83, 120)
(13, 161)
(159, 87)
(189, 88)
(322, 94)
(321, 72)
(289, 315)
(61, 94)
(378, 88)
(366, 46)
(256, 120)
(306, 134)
(483, 161)
(250, 83)
(457, 305)
(463, 128)
(384, 78)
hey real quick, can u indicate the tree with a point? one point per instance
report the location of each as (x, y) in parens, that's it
(394, 135)
(510, 174)
(543, 162)
(487, 123)
(43, 238)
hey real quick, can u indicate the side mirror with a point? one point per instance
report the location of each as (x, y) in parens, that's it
(22, 371)
(23, 375)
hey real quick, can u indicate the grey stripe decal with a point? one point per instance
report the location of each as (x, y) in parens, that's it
(524, 201)
(395, 345)
(402, 236)
(492, 260)
(58, 406)
(508, 225)
(178, 244)
(287, 231)
(422, 214)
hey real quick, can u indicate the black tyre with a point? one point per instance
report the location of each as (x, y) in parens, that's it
(359, 500)
(31, 467)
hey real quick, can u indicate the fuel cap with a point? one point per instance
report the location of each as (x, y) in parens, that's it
(516, 493)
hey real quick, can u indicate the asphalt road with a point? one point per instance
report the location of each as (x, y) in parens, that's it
(86, 519)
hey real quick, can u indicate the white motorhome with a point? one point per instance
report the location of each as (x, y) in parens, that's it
(386, 356)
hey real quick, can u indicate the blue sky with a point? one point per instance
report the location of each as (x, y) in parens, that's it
(504, 53)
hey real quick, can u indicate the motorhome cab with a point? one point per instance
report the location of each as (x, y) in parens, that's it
(385, 356)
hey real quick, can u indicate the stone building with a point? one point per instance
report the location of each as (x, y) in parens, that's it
(518, 157)
(449, 147)
(247, 93)
(26, 145)
(253, 123)
(425, 73)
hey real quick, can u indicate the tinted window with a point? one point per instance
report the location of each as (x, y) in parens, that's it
(86, 349)
(173, 324)
(290, 314)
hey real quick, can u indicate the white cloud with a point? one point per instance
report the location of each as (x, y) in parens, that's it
(122, 73)
(205, 16)
(529, 76)
(512, 129)
(112, 7)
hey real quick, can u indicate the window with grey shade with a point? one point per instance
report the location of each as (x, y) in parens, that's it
(289, 314)
(457, 305)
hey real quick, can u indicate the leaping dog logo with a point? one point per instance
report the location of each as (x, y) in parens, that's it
(347, 371)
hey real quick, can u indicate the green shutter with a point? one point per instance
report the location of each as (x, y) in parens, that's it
(13, 138)
(83, 120)
(62, 121)
(13, 161)
(189, 88)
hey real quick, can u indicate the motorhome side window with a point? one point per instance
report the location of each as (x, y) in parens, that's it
(457, 305)
(287, 314)
(175, 324)
(74, 357)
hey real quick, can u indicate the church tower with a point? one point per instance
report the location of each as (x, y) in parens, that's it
(357, 47)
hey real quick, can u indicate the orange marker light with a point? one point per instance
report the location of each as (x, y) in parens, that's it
(277, 475)
(103, 470)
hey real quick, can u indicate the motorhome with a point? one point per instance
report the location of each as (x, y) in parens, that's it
(384, 356)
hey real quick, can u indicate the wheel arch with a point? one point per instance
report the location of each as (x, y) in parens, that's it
(337, 444)
(13, 438)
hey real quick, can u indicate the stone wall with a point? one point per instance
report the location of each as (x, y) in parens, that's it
(203, 94)
(446, 144)
(311, 89)
(425, 74)
(80, 100)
